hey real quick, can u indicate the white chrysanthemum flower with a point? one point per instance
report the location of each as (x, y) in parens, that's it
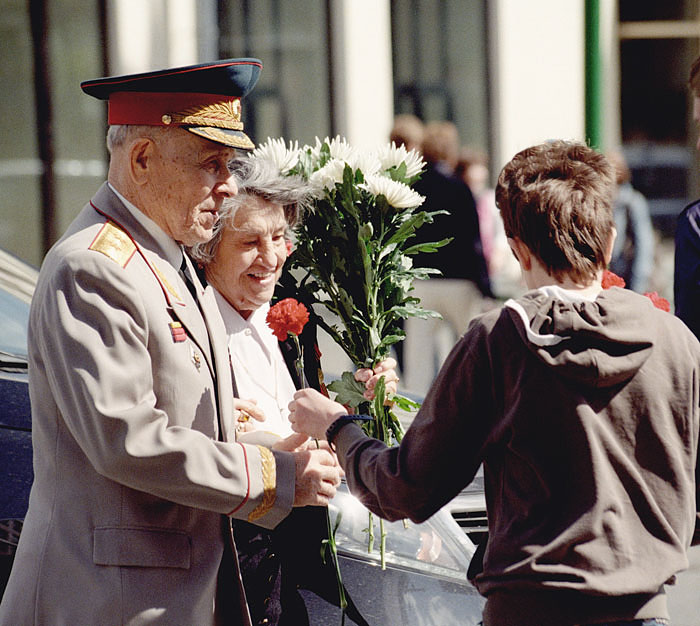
(366, 162)
(397, 194)
(283, 156)
(327, 176)
(391, 155)
(340, 149)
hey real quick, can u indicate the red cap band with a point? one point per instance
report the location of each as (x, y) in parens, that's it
(157, 109)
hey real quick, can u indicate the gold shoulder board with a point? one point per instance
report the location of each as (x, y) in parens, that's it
(114, 243)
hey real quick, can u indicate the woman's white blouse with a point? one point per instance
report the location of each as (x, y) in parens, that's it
(258, 366)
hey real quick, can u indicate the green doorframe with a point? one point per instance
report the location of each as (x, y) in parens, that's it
(594, 76)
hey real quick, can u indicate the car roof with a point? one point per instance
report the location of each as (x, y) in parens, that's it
(17, 276)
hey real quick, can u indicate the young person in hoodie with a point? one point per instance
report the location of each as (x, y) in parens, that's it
(581, 404)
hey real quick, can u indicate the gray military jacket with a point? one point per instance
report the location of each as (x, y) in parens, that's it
(135, 459)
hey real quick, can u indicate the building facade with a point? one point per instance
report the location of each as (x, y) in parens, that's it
(508, 73)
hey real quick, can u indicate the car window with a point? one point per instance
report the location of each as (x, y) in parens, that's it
(14, 316)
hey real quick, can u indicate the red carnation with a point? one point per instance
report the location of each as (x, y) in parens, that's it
(287, 317)
(289, 245)
(610, 279)
(659, 302)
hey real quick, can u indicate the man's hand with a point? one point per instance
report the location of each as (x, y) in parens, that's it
(370, 377)
(312, 413)
(317, 476)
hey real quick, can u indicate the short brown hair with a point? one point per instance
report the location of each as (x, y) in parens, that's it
(557, 199)
(694, 78)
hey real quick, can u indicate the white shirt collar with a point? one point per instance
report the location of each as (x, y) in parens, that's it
(171, 248)
(568, 295)
(258, 365)
(234, 321)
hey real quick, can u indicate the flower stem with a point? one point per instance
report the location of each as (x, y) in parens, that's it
(299, 361)
(343, 601)
(370, 535)
(382, 534)
(336, 564)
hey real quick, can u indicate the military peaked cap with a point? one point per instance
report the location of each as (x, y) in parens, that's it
(205, 99)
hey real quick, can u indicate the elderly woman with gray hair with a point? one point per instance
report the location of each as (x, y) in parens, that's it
(243, 263)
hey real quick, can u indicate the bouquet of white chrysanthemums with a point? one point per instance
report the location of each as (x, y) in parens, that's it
(354, 248)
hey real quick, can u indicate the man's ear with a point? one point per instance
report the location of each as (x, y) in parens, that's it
(611, 245)
(521, 252)
(141, 159)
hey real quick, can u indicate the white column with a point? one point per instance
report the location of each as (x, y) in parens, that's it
(362, 72)
(610, 51)
(539, 69)
(151, 34)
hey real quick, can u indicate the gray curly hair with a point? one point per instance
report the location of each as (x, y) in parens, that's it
(261, 178)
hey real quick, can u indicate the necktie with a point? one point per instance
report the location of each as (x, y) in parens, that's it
(184, 270)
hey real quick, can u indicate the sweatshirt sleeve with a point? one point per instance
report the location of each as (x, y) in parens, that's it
(440, 452)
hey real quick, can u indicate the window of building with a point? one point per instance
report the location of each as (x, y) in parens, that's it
(74, 51)
(658, 42)
(292, 97)
(440, 64)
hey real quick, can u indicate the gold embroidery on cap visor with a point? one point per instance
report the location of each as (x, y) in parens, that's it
(211, 121)
(224, 114)
(235, 139)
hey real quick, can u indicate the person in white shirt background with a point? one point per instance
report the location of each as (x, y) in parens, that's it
(242, 264)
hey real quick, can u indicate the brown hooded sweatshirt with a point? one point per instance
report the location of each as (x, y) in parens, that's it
(585, 416)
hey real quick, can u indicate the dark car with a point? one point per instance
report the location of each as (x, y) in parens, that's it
(17, 281)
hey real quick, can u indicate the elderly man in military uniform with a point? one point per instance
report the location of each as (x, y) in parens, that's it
(137, 468)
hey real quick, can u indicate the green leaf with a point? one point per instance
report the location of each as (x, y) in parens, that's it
(404, 403)
(365, 232)
(427, 247)
(379, 396)
(348, 390)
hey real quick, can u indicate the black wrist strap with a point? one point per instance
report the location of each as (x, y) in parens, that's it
(333, 430)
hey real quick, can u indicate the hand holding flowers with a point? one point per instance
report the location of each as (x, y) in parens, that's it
(312, 413)
(371, 376)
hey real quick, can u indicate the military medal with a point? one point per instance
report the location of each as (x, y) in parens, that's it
(195, 358)
(178, 332)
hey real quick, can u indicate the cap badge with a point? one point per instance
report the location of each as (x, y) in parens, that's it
(224, 114)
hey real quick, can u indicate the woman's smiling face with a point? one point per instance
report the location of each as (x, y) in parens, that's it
(250, 255)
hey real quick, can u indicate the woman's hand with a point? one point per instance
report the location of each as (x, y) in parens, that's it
(370, 377)
(312, 413)
(243, 412)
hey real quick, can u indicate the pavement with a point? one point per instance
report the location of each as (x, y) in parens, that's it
(684, 596)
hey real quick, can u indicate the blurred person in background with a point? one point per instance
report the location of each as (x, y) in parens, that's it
(459, 292)
(407, 131)
(633, 254)
(686, 273)
(504, 271)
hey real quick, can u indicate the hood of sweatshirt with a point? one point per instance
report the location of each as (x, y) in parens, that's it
(599, 343)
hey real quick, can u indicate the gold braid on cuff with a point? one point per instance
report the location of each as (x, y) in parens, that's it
(269, 476)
